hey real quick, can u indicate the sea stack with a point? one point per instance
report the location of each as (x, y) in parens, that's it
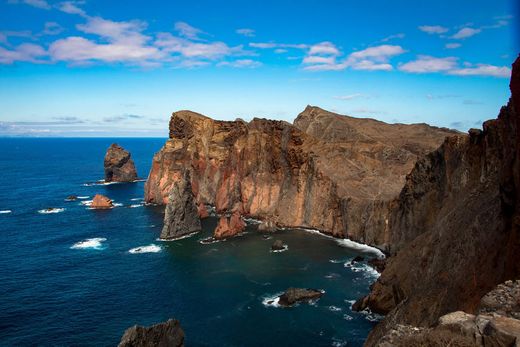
(229, 226)
(101, 202)
(181, 216)
(119, 166)
(169, 333)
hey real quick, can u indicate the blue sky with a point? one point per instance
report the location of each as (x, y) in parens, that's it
(119, 68)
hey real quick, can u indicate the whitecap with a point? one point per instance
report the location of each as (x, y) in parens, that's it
(94, 243)
(86, 202)
(332, 275)
(360, 247)
(178, 238)
(350, 302)
(136, 199)
(371, 316)
(347, 317)
(5, 211)
(271, 300)
(51, 210)
(285, 248)
(338, 343)
(368, 271)
(117, 204)
(335, 261)
(135, 205)
(83, 197)
(152, 248)
(210, 240)
(334, 308)
(252, 221)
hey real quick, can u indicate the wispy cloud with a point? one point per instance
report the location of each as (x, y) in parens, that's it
(483, 70)
(26, 52)
(452, 45)
(450, 66)
(241, 63)
(188, 31)
(121, 118)
(246, 32)
(465, 33)
(349, 97)
(34, 3)
(433, 29)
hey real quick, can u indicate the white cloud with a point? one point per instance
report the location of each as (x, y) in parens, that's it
(280, 50)
(241, 63)
(433, 29)
(246, 32)
(425, 64)
(35, 3)
(324, 48)
(71, 7)
(213, 50)
(188, 31)
(392, 37)
(26, 52)
(452, 45)
(370, 66)
(316, 59)
(465, 33)
(379, 53)
(483, 70)
(349, 97)
(270, 45)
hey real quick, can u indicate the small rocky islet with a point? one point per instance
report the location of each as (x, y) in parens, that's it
(447, 219)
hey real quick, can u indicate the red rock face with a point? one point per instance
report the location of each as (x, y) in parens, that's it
(290, 175)
(229, 226)
(455, 226)
(101, 202)
(119, 166)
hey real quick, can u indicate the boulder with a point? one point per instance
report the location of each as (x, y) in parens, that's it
(229, 226)
(119, 166)
(167, 334)
(181, 215)
(294, 295)
(278, 245)
(101, 202)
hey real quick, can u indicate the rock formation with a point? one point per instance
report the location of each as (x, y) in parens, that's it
(455, 227)
(278, 246)
(294, 295)
(229, 226)
(168, 334)
(181, 215)
(119, 166)
(101, 202)
(329, 172)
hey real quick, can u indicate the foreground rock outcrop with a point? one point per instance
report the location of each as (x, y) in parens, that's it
(229, 226)
(181, 216)
(329, 172)
(167, 334)
(455, 227)
(119, 166)
(101, 202)
(294, 295)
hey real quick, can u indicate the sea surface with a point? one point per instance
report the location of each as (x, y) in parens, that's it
(80, 277)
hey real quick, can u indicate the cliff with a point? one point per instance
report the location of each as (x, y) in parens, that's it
(339, 178)
(459, 211)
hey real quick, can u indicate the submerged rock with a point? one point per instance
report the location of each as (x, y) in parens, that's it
(181, 216)
(295, 295)
(357, 259)
(119, 166)
(229, 226)
(71, 198)
(167, 334)
(278, 246)
(101, 202)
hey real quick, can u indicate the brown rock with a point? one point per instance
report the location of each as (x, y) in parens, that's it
(294, 295)
(229, 226)
(101, 202)
(119, 166)
(168, 334)
(278, 245)
(203, 211)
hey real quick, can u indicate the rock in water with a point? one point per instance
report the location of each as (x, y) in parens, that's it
(228, 227)
(181, 216)
(278, 245)
(119, 166)
(168, 334)
(101, 202)
(294, 295)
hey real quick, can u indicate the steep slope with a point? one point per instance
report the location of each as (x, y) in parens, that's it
(274, 171)
(460, 208)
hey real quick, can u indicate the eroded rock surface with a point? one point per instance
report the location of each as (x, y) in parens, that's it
(101, 202)
(181, 215)
(229, 226)
(294, 175)
(294, 295)
(119, 166)
(167, 334)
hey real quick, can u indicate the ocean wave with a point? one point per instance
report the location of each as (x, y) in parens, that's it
(178, 238)
(83, 197)
(93, 243)
(368, 271)
(152, 248)
(137, 199)
(51, 210)
(210, 240)
(350, 302)
(252, 221)
(285, 248)
(271, 300)
(334, 308)
(336, 261)
(347, 317)
(135, 205)
(371, 316)
(86, 202)
(360, 247)
(332, 275)
(338, 343)
(5, 211)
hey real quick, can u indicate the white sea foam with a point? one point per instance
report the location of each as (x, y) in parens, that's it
(371, 316)
(178, 238)
(360, 247)
(94, 243)
(210, 240)
(271, 300)
(117, 204)
(51, 210)
(135, 205)
(334, 308)
(347, 317)
(86, 202)
(336, 261)
(152, 248)
(368, 271)
(338, 343)
(350, 302)
(252, 221)
(332, 275)
(83, 197)
(5, 211)
(137, 199)
(285, 248)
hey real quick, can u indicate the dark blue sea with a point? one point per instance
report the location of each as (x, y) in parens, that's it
(69, 279)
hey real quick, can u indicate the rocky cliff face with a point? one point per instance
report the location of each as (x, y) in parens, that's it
(167, 334)
(455, 227)
(181, 216)
(119, 166)
(294, 175)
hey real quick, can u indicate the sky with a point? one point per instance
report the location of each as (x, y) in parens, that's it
(121, 67)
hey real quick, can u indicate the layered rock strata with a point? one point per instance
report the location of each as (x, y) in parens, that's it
(181, 215)
(119, 166)
(301, 175)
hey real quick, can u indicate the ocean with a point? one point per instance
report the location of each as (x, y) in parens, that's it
(80, 277)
